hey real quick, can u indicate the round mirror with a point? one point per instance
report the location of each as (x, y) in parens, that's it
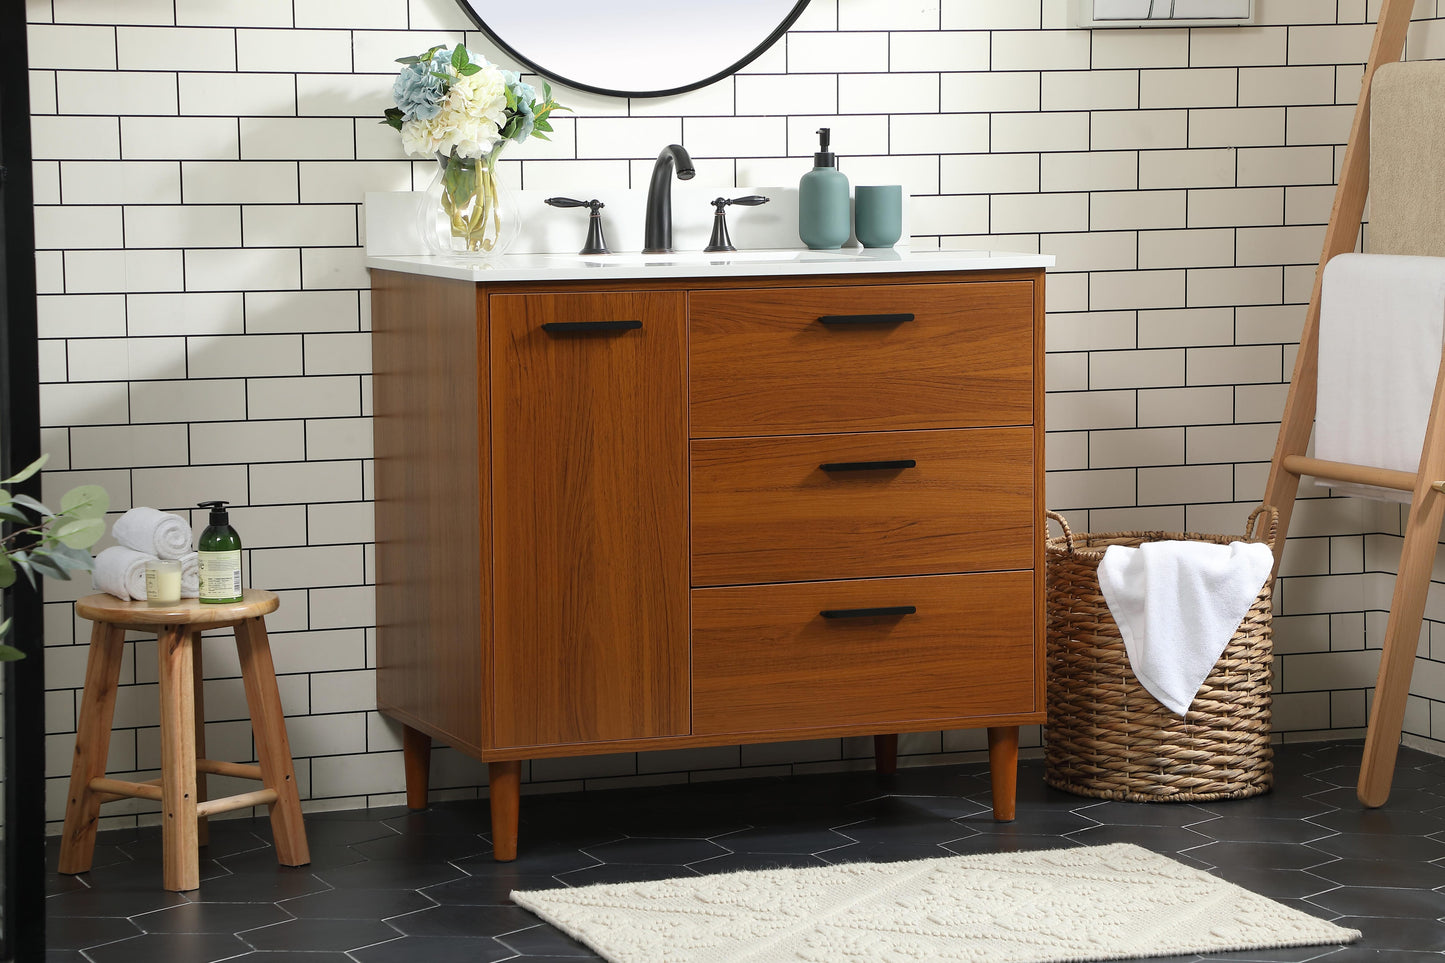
(636, 48)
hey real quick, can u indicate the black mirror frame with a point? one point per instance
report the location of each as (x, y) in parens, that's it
(535, 67)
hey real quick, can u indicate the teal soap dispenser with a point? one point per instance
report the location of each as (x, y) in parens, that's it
(824, 211)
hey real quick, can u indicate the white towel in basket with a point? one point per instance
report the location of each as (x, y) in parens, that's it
(1178, 603)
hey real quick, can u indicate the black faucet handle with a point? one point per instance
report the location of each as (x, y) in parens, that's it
(751, 200)
(720, 241)
(595, 204)
(595, 243)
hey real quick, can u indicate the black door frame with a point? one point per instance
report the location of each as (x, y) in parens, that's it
(23, 939)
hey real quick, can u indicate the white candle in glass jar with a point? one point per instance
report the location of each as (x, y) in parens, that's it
(163, 581)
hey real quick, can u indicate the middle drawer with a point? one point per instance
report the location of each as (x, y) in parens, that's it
(809, 507)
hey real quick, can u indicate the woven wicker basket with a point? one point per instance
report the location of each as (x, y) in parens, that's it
(1106, 736)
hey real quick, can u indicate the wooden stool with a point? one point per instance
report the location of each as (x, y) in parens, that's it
(181, 789)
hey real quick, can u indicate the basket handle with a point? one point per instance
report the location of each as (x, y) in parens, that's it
(1068, 534)
(1271, 529)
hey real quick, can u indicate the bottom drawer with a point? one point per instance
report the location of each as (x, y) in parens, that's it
(764, 657)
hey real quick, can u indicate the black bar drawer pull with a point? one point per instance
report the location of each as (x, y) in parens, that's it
(894, 465)
(865, 318)
(866, 613)
(585, 327)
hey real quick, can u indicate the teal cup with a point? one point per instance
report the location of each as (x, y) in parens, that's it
(878, 214)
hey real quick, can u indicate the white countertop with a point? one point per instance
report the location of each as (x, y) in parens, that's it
(696, 264)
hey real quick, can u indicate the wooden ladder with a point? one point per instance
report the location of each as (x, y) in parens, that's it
(1427, 508)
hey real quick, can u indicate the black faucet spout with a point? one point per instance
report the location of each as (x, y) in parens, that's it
(657, 231)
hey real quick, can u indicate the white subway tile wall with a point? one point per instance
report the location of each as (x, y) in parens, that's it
(204, 310)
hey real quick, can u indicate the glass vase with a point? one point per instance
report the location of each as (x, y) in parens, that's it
(468, 210)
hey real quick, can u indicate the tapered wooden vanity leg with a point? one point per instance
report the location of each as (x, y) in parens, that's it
(416, 756)
(885, 754)
(1003, 770)
(505, 779)
(198, 674)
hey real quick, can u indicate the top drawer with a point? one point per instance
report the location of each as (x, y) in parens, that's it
(866, 358)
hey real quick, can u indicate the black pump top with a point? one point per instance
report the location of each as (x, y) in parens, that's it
(219, 515)
(824, 157)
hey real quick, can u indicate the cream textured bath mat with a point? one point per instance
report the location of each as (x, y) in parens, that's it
(1088, 903)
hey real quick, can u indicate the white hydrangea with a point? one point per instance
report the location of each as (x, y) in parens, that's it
(470, 119)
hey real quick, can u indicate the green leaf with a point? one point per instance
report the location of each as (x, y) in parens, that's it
(542, 125)
(41, 562)
(27, 471)
(468, 70)
(12, 514)
(460, 58)
(7, 575)
(5, 627)
(33, 505)
(408, 60)
(444, 76)
(4, 497)
(81, 533)
(85, 501)
(73, 559)
(8, 653)
(539, 135)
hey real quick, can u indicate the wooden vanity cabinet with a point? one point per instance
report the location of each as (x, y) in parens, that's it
(666, 513)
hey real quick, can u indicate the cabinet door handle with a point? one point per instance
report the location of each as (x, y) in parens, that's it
(893, 465)
(865, 318)
(867, 613)
(587, 327)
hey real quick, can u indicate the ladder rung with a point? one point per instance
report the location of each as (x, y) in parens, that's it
(1402, 481)
(240, 770)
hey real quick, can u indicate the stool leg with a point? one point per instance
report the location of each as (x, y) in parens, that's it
(273, 750)
(92, 744)
(178, 760)
(198, 674)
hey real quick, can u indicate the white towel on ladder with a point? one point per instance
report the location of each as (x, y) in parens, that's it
(1177, 604)
(1381, 321)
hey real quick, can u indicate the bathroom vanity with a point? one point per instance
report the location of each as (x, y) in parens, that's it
(655, 503)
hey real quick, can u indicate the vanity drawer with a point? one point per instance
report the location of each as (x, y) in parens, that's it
(765, 658)
(767, 510)
(799, 360)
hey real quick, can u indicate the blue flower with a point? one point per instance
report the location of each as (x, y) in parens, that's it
(526, 96)
(418, 92)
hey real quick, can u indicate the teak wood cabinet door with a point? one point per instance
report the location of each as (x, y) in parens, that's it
(590, 552)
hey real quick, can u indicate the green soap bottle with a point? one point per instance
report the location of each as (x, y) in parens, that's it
(220, 557)
(825, 213)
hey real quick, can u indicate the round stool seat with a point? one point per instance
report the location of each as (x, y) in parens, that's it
(107, 608)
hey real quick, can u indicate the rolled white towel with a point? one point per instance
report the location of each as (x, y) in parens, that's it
(155, 532)
(191, 575)
(121, 571)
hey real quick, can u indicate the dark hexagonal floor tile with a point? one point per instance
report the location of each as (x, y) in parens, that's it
(193, 917)
(434, 949)
(1379, 901)
(94, 901)
(544, 940)
(1397, 934)
(674, 852)
(1147, 814)
(537, 858)
(356, 904)
(622, 873)
(80, 932)
(1004, 843)
(740, 862)
(1379, 872)
(1233, 855)
(280, 883)
(796, 840)
(1276, 883)
(1245, 829)
(1390, 821)
(191, 947)
(1160, 839)
(472, 921)
(884, 852)
(390, 874)
(1361, 846)
(487, 889)
(316, 935)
